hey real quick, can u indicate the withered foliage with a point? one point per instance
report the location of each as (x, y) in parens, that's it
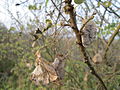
(97, 59)
(89, 33)
(46, 72)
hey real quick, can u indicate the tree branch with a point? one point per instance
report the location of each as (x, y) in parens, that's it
(111, 39)
(79, 39)
(110, 10)
(86, 22)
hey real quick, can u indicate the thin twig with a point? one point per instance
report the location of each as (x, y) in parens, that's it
(99, 13)
(86, 22)
(58, 10)
(103, 17)
(17, 4)
(110, 10)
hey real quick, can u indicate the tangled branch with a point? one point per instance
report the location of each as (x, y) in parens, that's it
(73, 25)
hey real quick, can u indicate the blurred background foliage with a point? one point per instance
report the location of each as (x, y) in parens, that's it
(17, 54)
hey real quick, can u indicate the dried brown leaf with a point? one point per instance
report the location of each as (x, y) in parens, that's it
(46, 72)
(89, 33)
(97, 58)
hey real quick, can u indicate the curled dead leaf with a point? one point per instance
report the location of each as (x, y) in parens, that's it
(33, 44)
(97, 58)
(86, 76)
(89, 33)
(59, 65)
(46, 72)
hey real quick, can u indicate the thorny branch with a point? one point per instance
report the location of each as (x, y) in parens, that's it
(17, 4)
(79, 40)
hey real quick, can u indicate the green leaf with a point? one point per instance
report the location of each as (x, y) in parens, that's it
(113, 24)
(48, 21)
(98, 4)
(34, 7)
(30, 7)
(99, 35)
(79, 1)
(12, 29)
(103, 33)
(48, 24)
(46, 2)
(107, 4)
(22, 27)
(108, 32)
(37, 20)
(39, 7)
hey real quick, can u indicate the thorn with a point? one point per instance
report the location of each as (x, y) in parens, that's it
(17, 4)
